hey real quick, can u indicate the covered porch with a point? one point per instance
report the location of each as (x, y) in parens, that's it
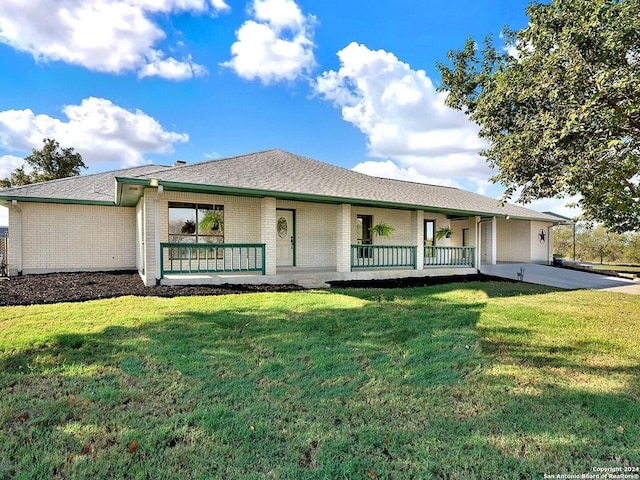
(275, 241)
(246, 263)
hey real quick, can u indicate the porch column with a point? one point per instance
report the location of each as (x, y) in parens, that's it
(343, 238)
(493, 242)
(268, 233)
(151, 233)
(417, 234)
(474, 239)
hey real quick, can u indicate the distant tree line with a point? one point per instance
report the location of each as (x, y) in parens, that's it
(597, 244)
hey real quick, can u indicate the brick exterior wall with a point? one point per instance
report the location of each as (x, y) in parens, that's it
(315, 233)
(58, 238)
(541, 252)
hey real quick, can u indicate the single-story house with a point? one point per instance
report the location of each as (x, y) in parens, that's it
(266, 217)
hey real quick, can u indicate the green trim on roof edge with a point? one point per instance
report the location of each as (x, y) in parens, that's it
(305, 197)
(69, 201)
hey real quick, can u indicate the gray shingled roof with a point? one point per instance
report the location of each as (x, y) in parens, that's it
(97, 187)
(283, 174)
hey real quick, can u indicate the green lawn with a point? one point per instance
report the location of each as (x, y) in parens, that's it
(618, 268)
(478, 380)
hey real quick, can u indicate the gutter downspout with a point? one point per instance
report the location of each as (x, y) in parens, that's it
(156, 232)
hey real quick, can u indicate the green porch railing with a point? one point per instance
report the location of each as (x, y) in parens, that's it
(449, 256)
(381, 256)
(211, 258)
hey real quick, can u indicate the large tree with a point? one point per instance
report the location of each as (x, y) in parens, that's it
(47, 164)
(560, 110)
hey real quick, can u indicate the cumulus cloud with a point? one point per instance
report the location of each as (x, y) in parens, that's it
(113, 36)
(403, 117)
(102, 132)
(388, 169)
(276, 45)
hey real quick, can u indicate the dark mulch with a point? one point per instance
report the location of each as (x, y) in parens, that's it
(83, 286)
(417, 281)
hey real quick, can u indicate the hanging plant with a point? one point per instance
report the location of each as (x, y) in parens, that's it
(444, 232)
(189, 227)
(212, 220)
(382, 229)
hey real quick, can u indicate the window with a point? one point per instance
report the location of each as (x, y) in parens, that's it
(363, 229)
(429, 233)
(196, 223)
(363, 235)
(429, 238)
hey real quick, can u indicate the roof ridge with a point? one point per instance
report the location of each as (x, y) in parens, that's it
(416, 183)
(234, 157)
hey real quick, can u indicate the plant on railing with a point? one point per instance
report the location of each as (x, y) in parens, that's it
(444, 232)
(382, 229)
(212, 220)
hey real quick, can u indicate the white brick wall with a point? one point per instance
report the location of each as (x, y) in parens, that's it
(443, 221)
(514, 244)
(59, 237)
(398, 219)
(540, 252)
(315, 233)
(241, 214)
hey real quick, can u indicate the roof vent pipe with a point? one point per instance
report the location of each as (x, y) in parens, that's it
(179, 163)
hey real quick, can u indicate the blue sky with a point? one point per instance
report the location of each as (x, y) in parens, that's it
(352, 83)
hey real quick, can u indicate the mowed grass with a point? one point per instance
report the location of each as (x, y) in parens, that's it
(618, 268)
(478, 380)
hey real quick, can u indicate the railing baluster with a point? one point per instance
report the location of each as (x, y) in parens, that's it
(212, 258)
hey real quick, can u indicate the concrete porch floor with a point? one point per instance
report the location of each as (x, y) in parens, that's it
(308, 277)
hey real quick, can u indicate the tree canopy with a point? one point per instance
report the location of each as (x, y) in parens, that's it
(47, 164)
(560, 110)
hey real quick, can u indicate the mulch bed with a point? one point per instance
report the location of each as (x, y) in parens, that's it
(83, 286)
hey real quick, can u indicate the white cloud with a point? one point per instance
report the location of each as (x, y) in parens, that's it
(220, 6)
(388, 169)
(112, 36)
(170, 68)
(7, 164)
(102, 132)
(403, 117)
(276, 45)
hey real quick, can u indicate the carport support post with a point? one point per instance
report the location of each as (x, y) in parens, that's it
(493, 240)
(474, 238)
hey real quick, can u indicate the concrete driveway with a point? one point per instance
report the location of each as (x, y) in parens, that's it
(561, 277)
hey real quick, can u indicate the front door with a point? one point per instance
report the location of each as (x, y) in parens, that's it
(285, 238)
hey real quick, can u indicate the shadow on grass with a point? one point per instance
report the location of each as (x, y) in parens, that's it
(393, 387)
